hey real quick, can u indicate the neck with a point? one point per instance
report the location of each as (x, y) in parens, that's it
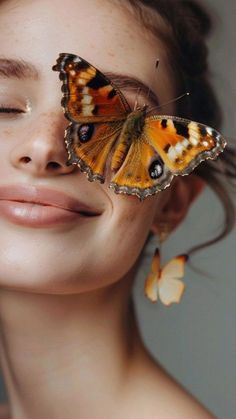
(67, 355)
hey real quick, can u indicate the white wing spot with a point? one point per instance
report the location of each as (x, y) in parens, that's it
(87, 100)
(87, 110)
(179, 148)
(209, 130)
(193, 141)
(81, 82)
(193, 125)
(194, 132)
(172, 154)
(185, 143)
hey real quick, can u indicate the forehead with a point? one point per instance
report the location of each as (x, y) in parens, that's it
(104, 32)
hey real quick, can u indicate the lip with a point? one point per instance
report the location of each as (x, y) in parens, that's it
(41, 207)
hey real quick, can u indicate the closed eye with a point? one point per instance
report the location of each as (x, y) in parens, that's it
(4, 109)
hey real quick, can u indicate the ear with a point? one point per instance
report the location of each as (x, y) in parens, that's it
(179, 197)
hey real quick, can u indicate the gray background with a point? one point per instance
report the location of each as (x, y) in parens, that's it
(196, 340)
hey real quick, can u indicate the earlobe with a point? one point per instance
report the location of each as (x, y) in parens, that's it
(182, 192)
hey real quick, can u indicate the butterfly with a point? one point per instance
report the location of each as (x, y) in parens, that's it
(142, 152)
(165, 283)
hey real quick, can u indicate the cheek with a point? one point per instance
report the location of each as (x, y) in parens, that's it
(117, 243)
(83, 259)
(10, 138)
(127, 232)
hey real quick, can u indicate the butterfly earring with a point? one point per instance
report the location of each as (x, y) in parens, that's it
(165, 283)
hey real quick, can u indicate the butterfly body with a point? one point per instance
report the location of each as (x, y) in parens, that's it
(131, 132)
(134, 123)
(146, 151)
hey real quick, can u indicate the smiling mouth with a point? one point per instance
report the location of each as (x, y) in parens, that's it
(34, 206)
(41, 215)
(85, 213)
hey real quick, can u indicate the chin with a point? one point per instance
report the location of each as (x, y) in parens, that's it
(39, 276)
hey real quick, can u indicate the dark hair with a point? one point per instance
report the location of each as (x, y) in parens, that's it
(187, 26)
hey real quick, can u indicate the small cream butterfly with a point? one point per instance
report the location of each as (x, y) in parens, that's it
(165, 282)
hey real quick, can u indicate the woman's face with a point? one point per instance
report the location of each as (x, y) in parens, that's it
(77, 253)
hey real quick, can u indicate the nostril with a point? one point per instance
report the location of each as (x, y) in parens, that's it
(25, 159)
(53, 165)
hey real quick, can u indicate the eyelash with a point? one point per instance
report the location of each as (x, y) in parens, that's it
(4, 109)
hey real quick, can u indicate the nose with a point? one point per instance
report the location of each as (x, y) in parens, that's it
(42, 151)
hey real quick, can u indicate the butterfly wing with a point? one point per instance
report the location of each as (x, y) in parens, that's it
(97, 111)
(167, 146)
(88, 95)
(181, 143)
(171, 291)
(142, 172)
(151, 282)
(145, 160)
(89, 146)
(170, 285)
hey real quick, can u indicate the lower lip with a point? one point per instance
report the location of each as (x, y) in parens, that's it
(35, 215)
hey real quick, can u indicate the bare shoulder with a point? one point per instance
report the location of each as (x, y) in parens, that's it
(177, 401)
(4, 411)
(158, 395)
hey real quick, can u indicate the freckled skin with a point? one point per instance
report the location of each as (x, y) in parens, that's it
(40, 134)
(66, 321)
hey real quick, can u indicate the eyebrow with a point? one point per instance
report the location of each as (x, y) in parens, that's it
(130, 83)
(17, 69)
(21, 69)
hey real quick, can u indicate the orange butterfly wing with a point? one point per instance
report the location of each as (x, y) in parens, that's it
(92, 153)
(137, 174)
(146, 151)
(88, 95)
(151, 282)
(182, 143)
(97, 111)
(167, 146)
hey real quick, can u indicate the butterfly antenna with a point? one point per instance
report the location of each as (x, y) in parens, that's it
(153, 78)
(169, 101)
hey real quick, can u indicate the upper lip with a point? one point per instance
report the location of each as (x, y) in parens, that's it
(45, 196)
